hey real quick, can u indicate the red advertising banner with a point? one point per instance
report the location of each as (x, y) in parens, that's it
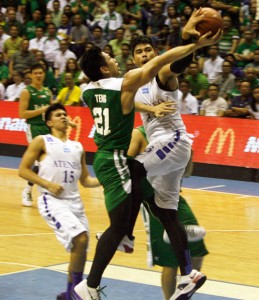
(216, 140)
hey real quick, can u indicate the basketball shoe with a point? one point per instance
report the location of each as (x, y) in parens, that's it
(87, 293)
(188, 285)
(26, 197)
(195, 233)
(126, 245)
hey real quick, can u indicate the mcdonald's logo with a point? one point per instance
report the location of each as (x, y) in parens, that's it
(221, 136)
(77, 120)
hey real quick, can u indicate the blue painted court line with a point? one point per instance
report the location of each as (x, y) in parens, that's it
(45, 284)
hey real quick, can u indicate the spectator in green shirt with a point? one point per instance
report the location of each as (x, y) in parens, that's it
(198, 81)
(4, 72)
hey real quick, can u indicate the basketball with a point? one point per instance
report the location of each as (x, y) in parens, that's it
(212, 21)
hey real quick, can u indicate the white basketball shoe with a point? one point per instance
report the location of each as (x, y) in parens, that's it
(126, 245)
(188, 285)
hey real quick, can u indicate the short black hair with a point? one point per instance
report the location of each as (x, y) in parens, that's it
(37, 66)
(91, 63)
(142, 39)
(51, 108)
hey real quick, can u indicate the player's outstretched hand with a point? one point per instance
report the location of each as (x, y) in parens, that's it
(207, 39)
(55, 188)
(164, 108)
(189, 29)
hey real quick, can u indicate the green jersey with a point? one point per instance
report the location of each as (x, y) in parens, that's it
(113, 129)
(38, 99)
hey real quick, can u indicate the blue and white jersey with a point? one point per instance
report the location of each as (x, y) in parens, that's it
(152, 95)
(62, 165)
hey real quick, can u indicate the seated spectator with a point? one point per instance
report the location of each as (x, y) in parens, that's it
(254, 105)
(3, 37)
(214, 106)
(117, 42)
(64, 29)
(39, 55)
(212, 66)
(37, 43)
(2, 91)
(61, 58)
(79, 36)
(130, 65)
(237, 71)
(198, 81)
(156, 21)
(132, 11)
(82, 8)
(22, 59)
(12, 44)
(71, 67)
(48, 20)
(228, 7)
(239, 105)
(100, 8)
(4, 71)
(226, 80)
(51, 44)
(63, 4)
(70, 94)
(123, 57)
(255, 62)
(131, 29)
(56, 13)
(109, 50)
(171, 14)
(110, 21)
(13, 91)
(29, 28)
(188, 104)
(97, 37)
(11, 17)
(230, 38)
(174, 38)
(245, 51)
(250, 75)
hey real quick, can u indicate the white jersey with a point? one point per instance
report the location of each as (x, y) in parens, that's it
(152, 95)
(62, 165)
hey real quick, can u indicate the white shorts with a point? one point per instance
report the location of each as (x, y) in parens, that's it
(165, 160)
(66, 217)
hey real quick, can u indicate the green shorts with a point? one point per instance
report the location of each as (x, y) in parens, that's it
(162, 252)
(35, 130)
(112, 171)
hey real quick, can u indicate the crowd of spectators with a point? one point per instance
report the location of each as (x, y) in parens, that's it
(222, 80)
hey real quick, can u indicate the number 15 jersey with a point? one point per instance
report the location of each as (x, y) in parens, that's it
(62, 165)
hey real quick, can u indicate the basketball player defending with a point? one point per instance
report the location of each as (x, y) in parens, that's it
(61, 165)
(168, 152)
(111, 101)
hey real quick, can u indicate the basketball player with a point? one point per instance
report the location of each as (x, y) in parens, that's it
(168, 152)
(159, 248)
(111, 101)
(61, 165)
(34, 101)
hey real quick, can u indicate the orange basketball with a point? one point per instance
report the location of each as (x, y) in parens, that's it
(212, 21)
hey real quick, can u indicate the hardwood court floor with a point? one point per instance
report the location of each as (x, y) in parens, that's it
(231, 221)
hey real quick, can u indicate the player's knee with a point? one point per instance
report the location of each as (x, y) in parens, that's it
(81, 241)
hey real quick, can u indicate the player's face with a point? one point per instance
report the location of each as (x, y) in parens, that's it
(58, 119)
(37, 76)
(112, 65)
(143, 53)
